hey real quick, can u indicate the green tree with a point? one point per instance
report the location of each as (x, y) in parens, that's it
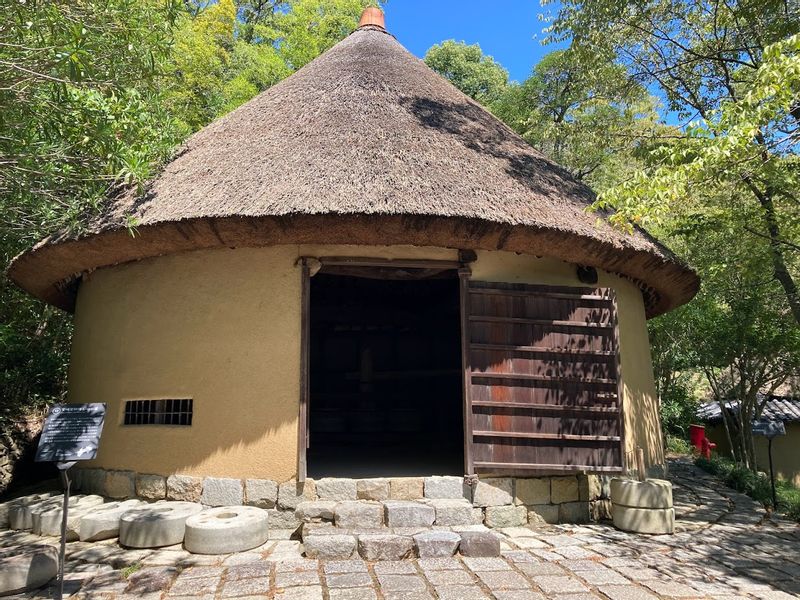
(592, 121)
(469, 69)
(734, 68)
(79, 114)
(310, 27)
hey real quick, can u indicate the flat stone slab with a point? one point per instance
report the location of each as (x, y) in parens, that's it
(226, 529)
(332, 547)
(156, 525)
(436, 544)
(400, 513)
(27, 568)
(384, 546)
(314, 511)
(102, 522)
(479, 544)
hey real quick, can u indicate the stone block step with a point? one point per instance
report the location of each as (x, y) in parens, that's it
(324, 540)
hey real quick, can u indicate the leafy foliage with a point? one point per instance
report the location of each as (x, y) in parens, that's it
(469, 69)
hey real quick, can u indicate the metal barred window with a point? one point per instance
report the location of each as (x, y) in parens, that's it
(158, 412)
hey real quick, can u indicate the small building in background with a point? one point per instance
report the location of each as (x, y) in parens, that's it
(785, 449)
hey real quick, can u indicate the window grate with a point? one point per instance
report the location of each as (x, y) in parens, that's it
(159, 412)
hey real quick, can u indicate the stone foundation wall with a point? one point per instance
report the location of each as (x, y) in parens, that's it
(497, 501)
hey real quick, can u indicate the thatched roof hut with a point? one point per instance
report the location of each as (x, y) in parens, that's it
(362, 272)
(365, 145)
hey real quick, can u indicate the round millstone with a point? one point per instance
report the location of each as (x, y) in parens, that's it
(644, 520)
(226, 529)
(46, 517)
(652, 493)
(102, 522)
(26, 569)
(156, 525)
(19, 509)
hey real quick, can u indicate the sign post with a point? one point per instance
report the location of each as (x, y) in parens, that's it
(770, 429)
(71, 433)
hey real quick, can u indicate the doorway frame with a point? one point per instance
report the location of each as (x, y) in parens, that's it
(311, 266)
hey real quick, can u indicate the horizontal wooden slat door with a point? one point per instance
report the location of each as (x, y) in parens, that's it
(542, 378)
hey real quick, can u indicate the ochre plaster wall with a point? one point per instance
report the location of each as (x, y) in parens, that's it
(222, 327)
(785, 451)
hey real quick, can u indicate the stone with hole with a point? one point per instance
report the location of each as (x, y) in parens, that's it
(47, 521)
(102, 522)
(27, 568)
(436, 544)
(156, 525)
(226, 529)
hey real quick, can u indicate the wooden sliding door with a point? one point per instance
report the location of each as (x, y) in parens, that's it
(541, 370)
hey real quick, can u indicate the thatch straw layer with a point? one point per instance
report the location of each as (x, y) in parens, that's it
(364, 145)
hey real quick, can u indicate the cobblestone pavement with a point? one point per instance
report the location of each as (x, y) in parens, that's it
(724, 548)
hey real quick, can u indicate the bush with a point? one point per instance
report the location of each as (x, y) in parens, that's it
(677, 445)
(755, 485)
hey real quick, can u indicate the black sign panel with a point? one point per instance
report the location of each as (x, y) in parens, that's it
(769, 429)
(71, 432)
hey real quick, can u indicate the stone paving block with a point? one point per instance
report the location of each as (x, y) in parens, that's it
(251, 586)
(487, 564)
(295, 565)
(479, 544)
(532, 490)
(119, 484)
(454, 488)
(218, 491)
(385, 547)
(564, 489)
(348, 580)
(460, 592)
(406, 488)
(559, 584)
(401, 513)
(309, 592)
(503, 580)
(395, 567)
(151, 487)
(493, 491)
(407, 595)
(151, 579)
(401, 583)
(317, 510)
(451, 577)
(330, 546)
(671, 589)
(451, 512)
(372, 489)
(291, 493)
(626, 592)
(296, 578)
(184, 488)
(506, 516)
(194, 586)
(439, 564)
(345, 566)
(359, 515)
(337, 489)
(262, 493)
(353, 594)
(521, 595)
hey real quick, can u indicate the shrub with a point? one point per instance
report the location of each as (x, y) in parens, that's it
(677, 445)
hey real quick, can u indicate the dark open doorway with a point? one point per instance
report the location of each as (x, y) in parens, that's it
(385, 375)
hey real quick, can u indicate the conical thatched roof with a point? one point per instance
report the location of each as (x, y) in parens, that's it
(365, 145)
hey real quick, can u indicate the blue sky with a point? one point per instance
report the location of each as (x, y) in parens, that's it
(510, 31)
